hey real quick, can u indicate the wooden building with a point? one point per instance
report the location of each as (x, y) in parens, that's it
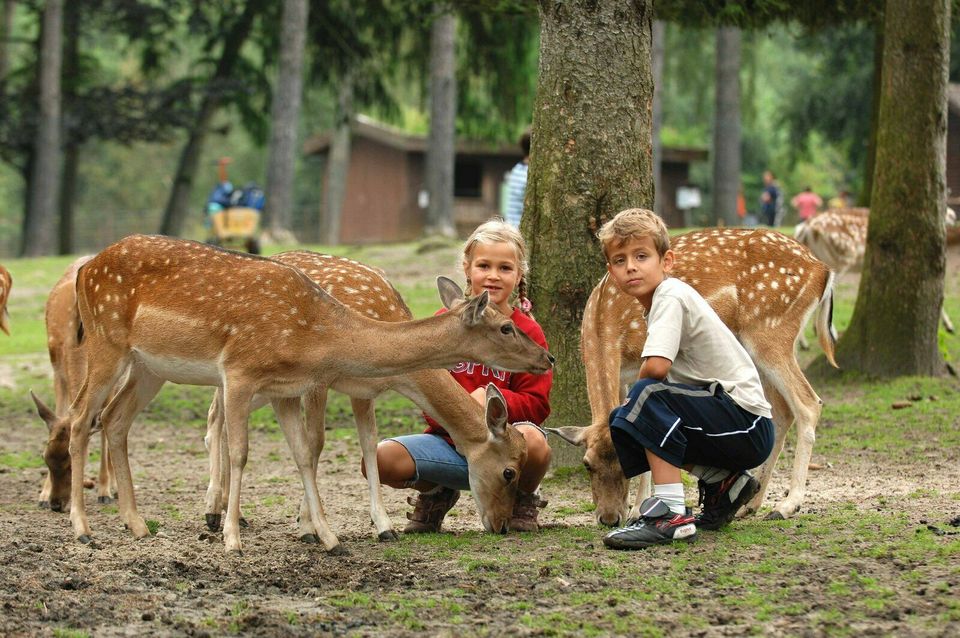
(384, 198)
(953, 145)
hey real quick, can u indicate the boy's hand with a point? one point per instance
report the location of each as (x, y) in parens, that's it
(655, 368)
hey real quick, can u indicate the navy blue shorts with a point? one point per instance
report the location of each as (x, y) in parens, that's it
(687, 425)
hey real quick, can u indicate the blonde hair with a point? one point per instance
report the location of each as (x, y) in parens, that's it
(495, 231)
(634, 223)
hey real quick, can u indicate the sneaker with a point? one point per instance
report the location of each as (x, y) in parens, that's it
(429, 510)
(657, 525)
(721, 500)
(525, 511)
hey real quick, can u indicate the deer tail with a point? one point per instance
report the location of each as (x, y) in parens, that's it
(826, 333)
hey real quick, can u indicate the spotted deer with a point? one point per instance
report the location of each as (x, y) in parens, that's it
(69, 366)
(838, 238)
(6, 281)
(764, 286)
(366, 290)
(159, 309)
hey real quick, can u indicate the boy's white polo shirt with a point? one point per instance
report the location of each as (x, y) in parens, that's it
(683, 328)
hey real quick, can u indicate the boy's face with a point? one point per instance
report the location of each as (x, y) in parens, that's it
(638, 269)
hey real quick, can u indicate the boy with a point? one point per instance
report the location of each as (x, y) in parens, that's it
(698, 404)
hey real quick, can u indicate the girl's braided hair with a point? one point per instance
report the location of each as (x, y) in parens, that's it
(494, 231)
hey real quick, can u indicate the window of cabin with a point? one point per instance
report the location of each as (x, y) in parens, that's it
(467, 179)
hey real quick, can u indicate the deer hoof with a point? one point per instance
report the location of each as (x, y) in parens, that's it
(243, 522)
(104, 500)
(310, 539)
(388, 536)
(774, 516)
(337, 550)
(213, 522)
(85, 539)
(44, 505)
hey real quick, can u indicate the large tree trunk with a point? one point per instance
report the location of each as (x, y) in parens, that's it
(45, 180)
(441, 154)
(893, 330)
(659, 39)
(870, 163)
(338, 163)
(71, 148)
(285, 117)
(591, 158)
(726, 128)
(6, 32)
(175, 212)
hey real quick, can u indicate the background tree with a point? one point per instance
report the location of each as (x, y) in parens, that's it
(726, 128)
(443, 108)
(38, 236)
(285, 118)
(590, 158)
(893, 330)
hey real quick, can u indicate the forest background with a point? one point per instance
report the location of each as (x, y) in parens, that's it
(805, 99)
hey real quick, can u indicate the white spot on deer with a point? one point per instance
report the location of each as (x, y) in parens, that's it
(760, 285)
(634, 325)
(774, 284)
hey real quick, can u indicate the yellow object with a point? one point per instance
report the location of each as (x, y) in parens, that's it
(235, 223)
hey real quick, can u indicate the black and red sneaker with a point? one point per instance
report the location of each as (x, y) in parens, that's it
(657, 525)
(721, 500)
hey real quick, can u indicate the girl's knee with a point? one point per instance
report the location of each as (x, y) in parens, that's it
(394, 463)
(538, 450)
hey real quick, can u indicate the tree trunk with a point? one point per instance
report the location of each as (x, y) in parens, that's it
(591, 158)
(338, 163)
(175, 212)
(726, 128)
(71, 147)
(659, 35)
(45, 180)
(441, 154)
(893, 330)
(68, 194)
(870, 163)
(285, 117)
(6, 31)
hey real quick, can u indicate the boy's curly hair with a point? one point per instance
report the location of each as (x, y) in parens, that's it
(634, 223)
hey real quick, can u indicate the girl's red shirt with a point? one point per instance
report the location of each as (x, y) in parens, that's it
(527, 395)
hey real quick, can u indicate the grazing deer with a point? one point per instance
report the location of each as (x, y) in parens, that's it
(69, 367)
(764, 286)
(6, 281)
(162, 309)
(838, 238)
(434, 391)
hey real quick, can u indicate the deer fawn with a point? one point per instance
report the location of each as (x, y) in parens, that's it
(5, 282)
(162, 309)
(69, 366)
(764, 286)
(367, 291)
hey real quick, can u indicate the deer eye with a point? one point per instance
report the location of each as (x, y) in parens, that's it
(507, 328)
(509, 474)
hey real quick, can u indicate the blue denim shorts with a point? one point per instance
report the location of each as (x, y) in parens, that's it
(439, 462)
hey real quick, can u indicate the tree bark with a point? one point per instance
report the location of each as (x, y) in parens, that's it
(659, 35)
(591, 158)
(726, 128)
(175, 212)
(441, 153)
(893, 330)
(71, 147)
(6, 30)
(285, 117)
(870, 163)
(45, 180)
(338, 163)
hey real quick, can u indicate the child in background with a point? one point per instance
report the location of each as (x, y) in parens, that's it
(698, 404)
(494, 260)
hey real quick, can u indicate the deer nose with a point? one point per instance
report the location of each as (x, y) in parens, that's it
(610, 522)
(504, 527)
(552, 359)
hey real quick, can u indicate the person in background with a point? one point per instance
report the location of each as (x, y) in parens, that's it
(840, 201)
(517, 184)
(807, 203)
(770, 199)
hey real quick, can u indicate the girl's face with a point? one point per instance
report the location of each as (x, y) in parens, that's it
(494, 268)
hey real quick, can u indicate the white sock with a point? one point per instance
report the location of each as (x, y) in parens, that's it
(672, 496)
(709, 474)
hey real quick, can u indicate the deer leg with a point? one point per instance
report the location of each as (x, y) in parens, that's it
(138, 390)
(782, 420)
(644, 490)
(216, 446)
(288, 413)
(236, 410)
(367, 429)
(945, 319)
(105, 479)
(805, 406)
(315, 406)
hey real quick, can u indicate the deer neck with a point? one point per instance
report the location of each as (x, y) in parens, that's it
(438, 394)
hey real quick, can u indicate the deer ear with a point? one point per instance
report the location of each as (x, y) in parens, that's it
(473, 314)
(450, 292)
(572, 434)
(45, 413)
(496, 412)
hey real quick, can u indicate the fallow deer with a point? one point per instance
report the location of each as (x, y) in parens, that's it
(162, 309)
(764, 286)
(838, 238)
(434, 391)
(6, 281)
(69, 366)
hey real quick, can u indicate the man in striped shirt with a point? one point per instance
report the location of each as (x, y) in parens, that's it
(517, 184)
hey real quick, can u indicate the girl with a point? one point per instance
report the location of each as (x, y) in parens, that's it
(494, 259)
